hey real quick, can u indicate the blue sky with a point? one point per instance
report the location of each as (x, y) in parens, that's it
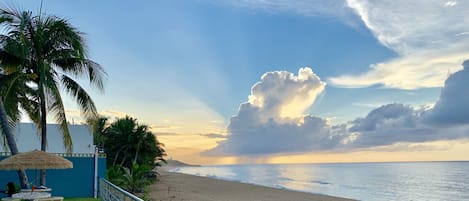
(185, 67)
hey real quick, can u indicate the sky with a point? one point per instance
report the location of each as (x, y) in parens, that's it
(272, 81)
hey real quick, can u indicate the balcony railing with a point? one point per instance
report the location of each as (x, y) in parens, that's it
(110, 192)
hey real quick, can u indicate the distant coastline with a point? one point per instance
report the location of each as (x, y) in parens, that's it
(171, 164)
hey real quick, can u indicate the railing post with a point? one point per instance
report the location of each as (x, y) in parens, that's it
(95, 177)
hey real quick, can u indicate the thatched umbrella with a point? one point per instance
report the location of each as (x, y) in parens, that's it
(35, 160)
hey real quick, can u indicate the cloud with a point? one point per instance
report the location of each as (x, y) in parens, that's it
(214, 135)
(332, 8)
(272, 120)
(262, 127)
(428, 36)
(284, 95)
(398, 123)
(113, 114)
(166, 134)
(452, 107)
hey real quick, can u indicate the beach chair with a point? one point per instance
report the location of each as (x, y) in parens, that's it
(53, 198)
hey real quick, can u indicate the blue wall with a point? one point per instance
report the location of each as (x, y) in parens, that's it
(75, 182)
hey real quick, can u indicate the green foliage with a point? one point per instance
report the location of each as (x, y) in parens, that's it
(134, 180)
(46, 53)
(114, 173)
(98, 126)
(132, 152)
(127, 142)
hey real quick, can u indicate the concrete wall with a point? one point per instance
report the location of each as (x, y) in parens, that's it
(75, 182)
(27, 138)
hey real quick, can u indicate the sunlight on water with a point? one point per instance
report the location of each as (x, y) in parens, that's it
(429, 181)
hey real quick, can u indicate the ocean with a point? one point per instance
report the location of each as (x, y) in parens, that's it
(426, 181)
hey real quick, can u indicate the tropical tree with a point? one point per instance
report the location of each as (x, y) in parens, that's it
(53, 52)
(98, 127)
(132, 153)
(14, 94)
(127, 142)
(135, 178)
(5, 127)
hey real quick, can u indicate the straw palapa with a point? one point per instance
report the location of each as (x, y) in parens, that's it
(35, 160)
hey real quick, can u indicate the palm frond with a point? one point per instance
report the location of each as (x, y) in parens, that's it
(81, 96)
(82, 67)
(57, 108)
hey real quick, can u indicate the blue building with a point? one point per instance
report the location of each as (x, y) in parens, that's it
(75, 182)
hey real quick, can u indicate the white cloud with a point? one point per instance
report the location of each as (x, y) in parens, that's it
(451, 3)
(398, 123)
(335, 9)
(281, 94)
(272, 120)
(428, 37)
(260, 129)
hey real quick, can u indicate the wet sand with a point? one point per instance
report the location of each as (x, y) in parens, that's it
(178, 187)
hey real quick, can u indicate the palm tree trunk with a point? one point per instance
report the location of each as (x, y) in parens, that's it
(136, 153)
(115, 159)
(43, 133)
(11, 142)
(123, 160)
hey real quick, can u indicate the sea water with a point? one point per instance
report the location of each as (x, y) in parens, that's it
(426, 181)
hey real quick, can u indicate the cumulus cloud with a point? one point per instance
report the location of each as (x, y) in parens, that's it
(272, 120)
(262, 128)
(397, 123)
(452, 107)
(428, 36)
(281, 94)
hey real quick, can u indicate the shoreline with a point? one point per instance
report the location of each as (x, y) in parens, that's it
(178, 186)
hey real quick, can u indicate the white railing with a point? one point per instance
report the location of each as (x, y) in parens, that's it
(110, 192)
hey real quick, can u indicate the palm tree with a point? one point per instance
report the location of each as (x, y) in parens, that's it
(54, 53)
(14, 94)
(124, 135)
(135, 178)
(98, 127)
(5, 126)
(127, 142)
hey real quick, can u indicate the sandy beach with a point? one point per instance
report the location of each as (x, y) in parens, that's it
(178, 187)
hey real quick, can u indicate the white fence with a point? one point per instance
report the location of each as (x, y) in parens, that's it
(110, 192)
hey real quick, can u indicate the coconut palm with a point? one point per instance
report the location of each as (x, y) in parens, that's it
(5, 127)
(14, 94)
(53, 52)
(98, 127)
(127, 142)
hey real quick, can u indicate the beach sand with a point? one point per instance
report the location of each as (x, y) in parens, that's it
(178, 187)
